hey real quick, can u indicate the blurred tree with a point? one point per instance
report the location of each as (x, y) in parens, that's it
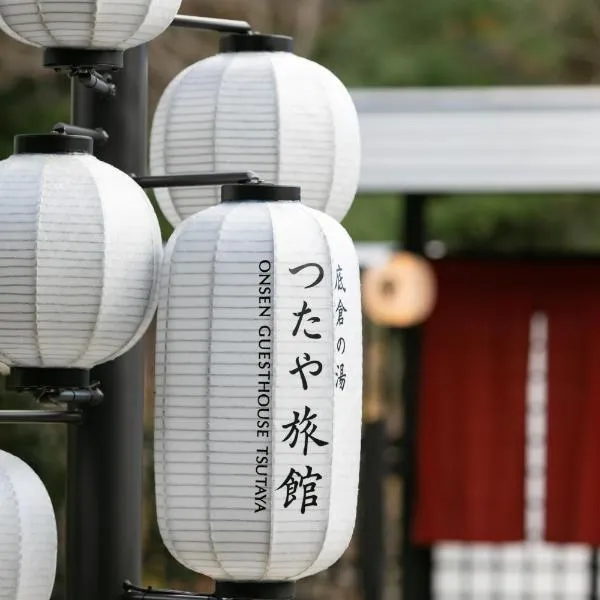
(368, 43)
(471, 43)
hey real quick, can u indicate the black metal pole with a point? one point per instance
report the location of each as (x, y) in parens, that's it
(416, 567)
(593, 573)
(104, 495)
(371, 502)
(39, 416)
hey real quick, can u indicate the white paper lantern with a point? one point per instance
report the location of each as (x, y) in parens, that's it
(86, 24)
(259, 386)
(80, 253)
(257, 106)
(28, 536)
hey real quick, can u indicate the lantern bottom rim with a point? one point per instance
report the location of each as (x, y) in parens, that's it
(35, 378)
(83, 58)
(255, 590)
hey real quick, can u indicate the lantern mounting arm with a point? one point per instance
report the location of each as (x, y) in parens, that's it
(136, 592)
(239, 591)
(92, 79)
(196, 179)
(211, 24)
(39, 416)
(99, 135)
(68, 397)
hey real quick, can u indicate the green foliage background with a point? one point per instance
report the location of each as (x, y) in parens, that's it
(389, 43)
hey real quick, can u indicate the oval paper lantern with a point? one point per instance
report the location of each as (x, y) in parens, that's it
(257, 106)
(80, 252)
(400, 293)
(28, 536)
(259, 384)
(86, 24)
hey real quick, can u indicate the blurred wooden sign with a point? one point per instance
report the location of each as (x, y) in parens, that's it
(400, 293)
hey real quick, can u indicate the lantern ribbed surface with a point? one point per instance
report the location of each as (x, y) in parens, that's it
(28, 536)
(258, 397)
(80, 253)
(286, 118)
(86, 24)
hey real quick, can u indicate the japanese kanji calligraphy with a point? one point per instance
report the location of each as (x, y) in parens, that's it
(304, 427)
(339, 289)
(301, 487)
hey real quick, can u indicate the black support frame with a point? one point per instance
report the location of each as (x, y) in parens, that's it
(105, 452)
(415, 560)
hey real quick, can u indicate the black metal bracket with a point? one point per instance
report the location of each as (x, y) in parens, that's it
(98, 135)
(196, 179)
(74, 399)
(90, 78)
(135, 592)
(68, 391)
(210, 24)
(90, 67)
(235, 590)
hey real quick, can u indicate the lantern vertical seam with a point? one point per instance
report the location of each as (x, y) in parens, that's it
(312, 213)
(138, 26)
(214, 121)
(168, 275)
(332, 142)
(38, 218)
(277, 119)
(172, 89)
(94, 23)
(13, 493)
(273, 392)
(94, 330)
(7, 358)
(38, 7)
(6, 27)
(211, 307)
(153, 292)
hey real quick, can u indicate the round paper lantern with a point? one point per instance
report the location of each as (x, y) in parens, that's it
(259, 385)
(80, 253)
(28, 536)
(86, 24)
(400, 293)
(257, 106)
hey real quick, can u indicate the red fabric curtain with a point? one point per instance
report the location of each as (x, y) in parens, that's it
(572, 300)
(470, 479)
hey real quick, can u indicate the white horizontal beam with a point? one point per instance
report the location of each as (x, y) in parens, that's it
(543, 139)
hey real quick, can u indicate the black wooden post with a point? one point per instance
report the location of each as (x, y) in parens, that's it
(104, 495)
(416, 567)
(594, 573)
(371, 502)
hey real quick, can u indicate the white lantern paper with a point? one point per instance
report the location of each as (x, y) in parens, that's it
(80, 253)
(286, 118)
(28, 536)
(259, 386)
(86, 24)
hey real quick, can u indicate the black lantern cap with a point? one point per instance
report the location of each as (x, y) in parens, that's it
(255, 590)
(52, 143)
(31, 377)
(259, 192)
(256, 43)
(83, 58)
